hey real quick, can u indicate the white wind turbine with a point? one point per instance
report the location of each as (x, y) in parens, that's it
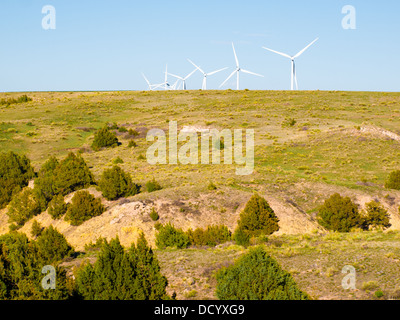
(166, 84)
(237, 70)
(183, 79)
(205, 75)
(293, 69)
(152, 86)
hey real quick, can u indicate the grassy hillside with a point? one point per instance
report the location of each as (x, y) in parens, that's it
(308, 145)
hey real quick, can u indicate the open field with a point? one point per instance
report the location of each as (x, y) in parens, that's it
(308, 145)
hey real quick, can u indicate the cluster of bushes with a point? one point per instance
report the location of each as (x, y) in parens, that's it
(152, 186)
(15, 173)
(169, 236)
(257, 276)
(57, 207)
(69, 175)
(22, 260)
(23, 206)
(117, 274)
(115, 183)
(393, 181)
(54, 180)
(104, 138)
(21, 99)
(256, 219)
(341, 214)
(122, 275)
(83, 207)
(211, 236)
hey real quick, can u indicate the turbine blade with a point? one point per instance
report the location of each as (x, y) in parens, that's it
(230, 76)
(214, 72)
(280, 53)
(175, 76)
(249, 72)
(187, 77)
(174, 85)
(145, 79)
(156, 86)
(236, 59)
(196, 66)
(301, 52)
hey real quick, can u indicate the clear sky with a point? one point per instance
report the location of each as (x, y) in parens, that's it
(105, 45)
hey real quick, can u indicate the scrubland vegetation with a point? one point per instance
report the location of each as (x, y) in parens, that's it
(77, 156)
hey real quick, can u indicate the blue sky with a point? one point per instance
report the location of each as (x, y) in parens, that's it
(105, 45)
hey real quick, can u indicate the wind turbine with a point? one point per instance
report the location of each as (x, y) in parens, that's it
(293, 69)
(167, 86)
(205, 75)
(183, 78)
(237, 70)
(151, 86)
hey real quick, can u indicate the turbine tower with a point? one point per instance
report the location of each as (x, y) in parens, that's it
(293, 77)
(183, 79)
(205, 75)
(237, 70)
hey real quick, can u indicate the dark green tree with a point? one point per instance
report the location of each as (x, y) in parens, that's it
(339, 214)
(116, 183)
(54, 178)
(52, 246)
(72, 174)
(257, 276)
(211, 236)
(256, 219)
(121, 275)
(169, 236)
(21, 271)
(152, 186)
(15, 172)
(83, 207)
(376, 216)
(104, 138)
(23, 206)
(393, 181)
(241, 237)
(36, 229)
(152, 282)
(57, 207)
(45, 182)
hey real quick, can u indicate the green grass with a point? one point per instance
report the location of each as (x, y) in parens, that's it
(315, 261)
(321, 146)
(325, 152)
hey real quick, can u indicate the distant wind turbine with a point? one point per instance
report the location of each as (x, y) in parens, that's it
(152, 86)
(167, 86)
(237, 70)
(183, 79)
(293, 69)
(205, 75)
